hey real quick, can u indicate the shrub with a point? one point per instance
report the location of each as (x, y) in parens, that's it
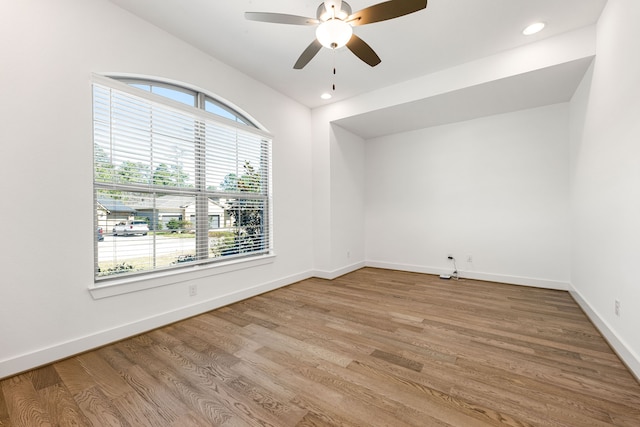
(116, 269)
(185, 258)
(174, 224)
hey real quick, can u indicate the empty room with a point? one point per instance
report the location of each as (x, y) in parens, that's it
(295, 213)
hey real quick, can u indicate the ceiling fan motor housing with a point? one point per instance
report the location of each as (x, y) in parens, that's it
(324, 15)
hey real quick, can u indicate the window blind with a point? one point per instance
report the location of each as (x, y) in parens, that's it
(174, 185)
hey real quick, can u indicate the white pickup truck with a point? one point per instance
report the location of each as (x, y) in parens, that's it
(129, 228)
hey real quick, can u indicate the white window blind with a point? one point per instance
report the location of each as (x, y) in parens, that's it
(174, 185)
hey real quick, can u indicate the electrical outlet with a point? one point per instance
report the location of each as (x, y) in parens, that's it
(348, 254)
(617, 308)
(469, 258)
(193, 290)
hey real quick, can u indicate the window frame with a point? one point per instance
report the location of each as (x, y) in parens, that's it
(200, 98)
(203, 265)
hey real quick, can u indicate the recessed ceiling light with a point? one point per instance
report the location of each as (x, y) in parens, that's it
(325, 96)
(533, 28)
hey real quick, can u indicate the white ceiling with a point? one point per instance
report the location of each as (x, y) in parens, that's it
(445, 34)
(546, 86)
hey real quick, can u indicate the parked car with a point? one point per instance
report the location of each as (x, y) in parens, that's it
(129, 228)
(99, 234)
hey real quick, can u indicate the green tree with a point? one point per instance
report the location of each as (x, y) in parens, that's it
(179, 176)
(131, 172)
(162, 176)
(250, 180)
(103, 168)
(170, 176)
(230, 183)
(247, 213)
(127, 172)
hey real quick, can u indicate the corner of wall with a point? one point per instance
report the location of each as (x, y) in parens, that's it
(334, 274)
(626, 354)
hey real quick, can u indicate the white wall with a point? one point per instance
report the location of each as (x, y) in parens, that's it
(347, 200)
(49, 50)
(337, 152)
(495, 188)
(605, 176)
(338, 199)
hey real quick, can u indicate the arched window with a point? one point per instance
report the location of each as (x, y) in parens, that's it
(180, 178)
(189, 97)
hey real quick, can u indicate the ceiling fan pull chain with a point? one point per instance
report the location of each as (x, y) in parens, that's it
(334, 69)
(334, 79)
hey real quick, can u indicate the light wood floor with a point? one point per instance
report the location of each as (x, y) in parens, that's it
(372, 348)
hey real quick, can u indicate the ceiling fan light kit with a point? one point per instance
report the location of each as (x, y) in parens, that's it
(334, 33)
(335, 25)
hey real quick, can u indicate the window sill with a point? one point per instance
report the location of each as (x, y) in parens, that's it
(165, 278)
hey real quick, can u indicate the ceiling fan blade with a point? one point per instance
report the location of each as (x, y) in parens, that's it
(386, 10)
(280, 18)
(308, 54)
(363, 51)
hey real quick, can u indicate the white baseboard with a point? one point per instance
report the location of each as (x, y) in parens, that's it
(31, 360)
(334, 274)
(628, 356)
(489, 277)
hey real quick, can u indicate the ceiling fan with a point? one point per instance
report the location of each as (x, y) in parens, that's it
(335, 21)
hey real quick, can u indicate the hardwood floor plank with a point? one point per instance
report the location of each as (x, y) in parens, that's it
(423, 398)
(301, 349)
(262, 398)
(23, 403)
(373, 347)
(114, 357)
(390, 394)
(264, 372)
(4, 412)
(138, 412)
(534, 388)
(210, 383)
(151, 393)
(109, 381)
(44, 377)
(61, 407)
(98, 409)
(74, 376)
(279, 407)
(398, 360)
(169, 371)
